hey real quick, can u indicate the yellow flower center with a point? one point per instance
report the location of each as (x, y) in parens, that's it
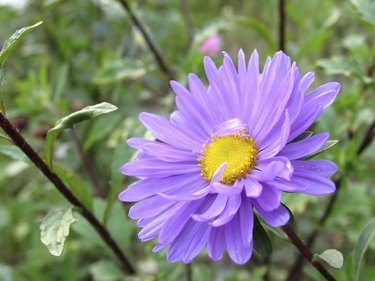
(239, 152)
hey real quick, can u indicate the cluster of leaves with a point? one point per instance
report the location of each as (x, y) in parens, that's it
(87, 56)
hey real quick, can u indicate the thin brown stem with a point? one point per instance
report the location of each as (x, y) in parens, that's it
(154, 50)
(87, 164)
(19, 141)
(305, 251)
(282, 25)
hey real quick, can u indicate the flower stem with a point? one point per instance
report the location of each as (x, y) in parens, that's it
(19, 141)
(282, 25)
(305, 251)
(158, 57)
(87, 164)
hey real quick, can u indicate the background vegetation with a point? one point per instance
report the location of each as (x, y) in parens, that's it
(88, 52)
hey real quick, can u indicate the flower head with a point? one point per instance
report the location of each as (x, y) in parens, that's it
(212, 44)
(228, 151)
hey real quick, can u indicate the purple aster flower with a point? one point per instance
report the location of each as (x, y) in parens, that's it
(228, 151)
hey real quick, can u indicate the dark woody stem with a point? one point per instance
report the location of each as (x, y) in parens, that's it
(305, 251)
(154, 50)
(19, 141)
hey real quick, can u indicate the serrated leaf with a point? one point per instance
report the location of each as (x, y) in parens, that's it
(262, 242)
(367, 234)
(366, 8)
(11, 42)
(54, 228)
(332, 257)
(72, 119)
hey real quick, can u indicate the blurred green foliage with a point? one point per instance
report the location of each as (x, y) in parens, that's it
(88, 52)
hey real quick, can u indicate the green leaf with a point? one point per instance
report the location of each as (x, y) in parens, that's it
(262, 242)
(79, 187)
(13, 152)
(367, 234)
(366, 8)
(2, 105)
(106, 271)
(120, 69)
(11, 42)
(332, 257)
(325, 147)
(304, 135)
(346, 66)
(55, 228)
(69, 121)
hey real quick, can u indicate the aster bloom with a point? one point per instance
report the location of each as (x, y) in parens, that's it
(229, 151)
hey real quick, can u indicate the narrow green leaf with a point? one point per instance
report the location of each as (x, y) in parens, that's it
(13, 152)
(262, 242)
(304, 135)
(332, 257)
(72, 119)
(325, 147)
(367, 234)
(2, 105)
(366, 8)
(11, 42)
(79, 187)
(54, 229)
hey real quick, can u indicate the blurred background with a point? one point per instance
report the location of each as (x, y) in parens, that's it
(87, 52)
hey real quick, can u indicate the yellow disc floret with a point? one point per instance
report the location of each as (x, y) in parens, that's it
(238, 151)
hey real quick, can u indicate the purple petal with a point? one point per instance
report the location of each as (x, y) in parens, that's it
(324, 95)
(270, 199)
(238, 251)
(216, 243)
(151, 186)
(306, 81)
(155, 203)
(246, 220)
(278, 143)
(305, 147)
(214, 210)
(275, 218)
(287, 186)
(304, 121)
(252, 186)
(167, 132)
(274, 167)
(220, 188)
(138, 143)
(157, 168)
(177, 221)
(315, 185)
(323, 168)
(200, 191)
(230, 210)
(168, 153)
(229, 127)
